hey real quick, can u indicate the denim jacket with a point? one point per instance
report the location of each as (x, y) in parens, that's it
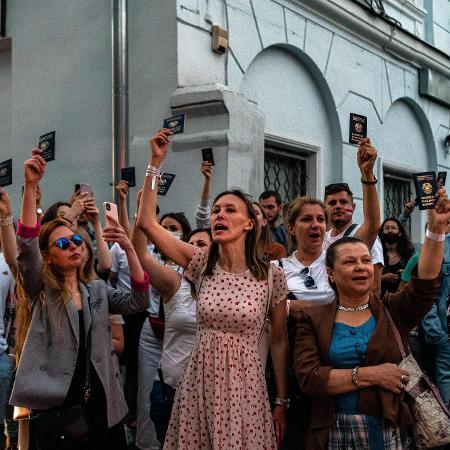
(435, 322)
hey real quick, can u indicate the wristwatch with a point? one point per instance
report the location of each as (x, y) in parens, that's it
(282, 402)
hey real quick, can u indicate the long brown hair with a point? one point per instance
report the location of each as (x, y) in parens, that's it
(51, 278)
(265, 237)
(255, 262)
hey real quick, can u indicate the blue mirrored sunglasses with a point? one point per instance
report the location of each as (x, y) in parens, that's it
(310, 283)
(64, 243)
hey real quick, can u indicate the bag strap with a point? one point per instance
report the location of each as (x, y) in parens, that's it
(269, 298)
(349, 229)
(87, 373)
(395, 331)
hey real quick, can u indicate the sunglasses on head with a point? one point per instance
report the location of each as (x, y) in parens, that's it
(64, 243)
(309, 280)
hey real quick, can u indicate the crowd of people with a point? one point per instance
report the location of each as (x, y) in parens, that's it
(267, 326)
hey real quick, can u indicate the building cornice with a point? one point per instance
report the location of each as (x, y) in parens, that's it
(361, 22)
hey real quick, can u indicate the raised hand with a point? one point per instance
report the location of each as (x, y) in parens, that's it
(440, 215)
(5, 203)
(116, 233)
(91, 210)
(159, 145)
(206, 169)
(409, 206)
(34, 168)
(122, 190)
(367, 156)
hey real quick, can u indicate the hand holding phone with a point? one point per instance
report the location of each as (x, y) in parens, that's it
(110, 209)
(86, 188)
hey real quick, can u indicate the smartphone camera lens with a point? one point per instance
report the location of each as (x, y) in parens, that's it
(108, 207)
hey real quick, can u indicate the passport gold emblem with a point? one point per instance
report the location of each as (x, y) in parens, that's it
(427, 188)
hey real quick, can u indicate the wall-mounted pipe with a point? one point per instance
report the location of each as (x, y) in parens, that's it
(119, 90)
(2, 18)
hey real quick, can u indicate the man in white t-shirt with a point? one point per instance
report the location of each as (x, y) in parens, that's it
(340, 207)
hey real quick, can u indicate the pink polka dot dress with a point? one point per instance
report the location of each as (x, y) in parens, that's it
(221, 402)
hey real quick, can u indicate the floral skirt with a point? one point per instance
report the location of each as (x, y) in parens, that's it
(361, 432)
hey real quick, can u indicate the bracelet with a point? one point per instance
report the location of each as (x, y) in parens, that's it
(375, 181)
(68, 220)
(282, 402)
(154, 173)
(8, 220)
(435, 236)
(355, 377)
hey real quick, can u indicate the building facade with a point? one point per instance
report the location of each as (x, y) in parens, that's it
(274, 106)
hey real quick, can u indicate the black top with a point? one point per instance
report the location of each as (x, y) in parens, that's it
(96, 405)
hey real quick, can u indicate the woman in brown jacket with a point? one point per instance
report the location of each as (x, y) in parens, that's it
(346, 355)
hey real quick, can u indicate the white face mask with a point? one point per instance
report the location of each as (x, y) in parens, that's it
(176, 234)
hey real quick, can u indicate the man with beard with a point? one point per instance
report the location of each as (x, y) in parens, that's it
(271, 202)
(340, 208)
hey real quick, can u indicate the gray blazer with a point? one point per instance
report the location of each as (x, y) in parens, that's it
(50, 351)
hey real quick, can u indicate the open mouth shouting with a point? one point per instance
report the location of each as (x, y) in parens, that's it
(220, 228)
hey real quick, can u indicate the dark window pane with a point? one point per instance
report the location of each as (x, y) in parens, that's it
(285, 173)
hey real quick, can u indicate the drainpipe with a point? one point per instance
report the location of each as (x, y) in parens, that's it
(119, 91)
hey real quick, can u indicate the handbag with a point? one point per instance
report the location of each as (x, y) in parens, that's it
(431, 416)
(161, 403)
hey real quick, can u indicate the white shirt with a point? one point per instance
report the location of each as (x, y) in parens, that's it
(6, 288)
(120, 267)
(322, 293)
(179, 334)
(376, 251)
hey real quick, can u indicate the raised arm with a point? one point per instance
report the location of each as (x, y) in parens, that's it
(117, 234)
(367, 156)
(77, 208)
(164, 279)
(29, 260)
(432, 252)
(203, 213)
(104, 263)
(176, 250)
(124, 220)
(34, 169)
(7, 233)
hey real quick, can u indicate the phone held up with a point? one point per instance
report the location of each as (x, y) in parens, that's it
(110, 209)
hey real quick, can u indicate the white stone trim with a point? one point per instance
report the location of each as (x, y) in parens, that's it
(369, 28)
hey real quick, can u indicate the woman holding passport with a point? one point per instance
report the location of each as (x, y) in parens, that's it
(67, 381)
(346, 354)
(221, 401)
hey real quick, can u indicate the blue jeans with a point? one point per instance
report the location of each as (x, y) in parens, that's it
(443, 370)
(6, 373)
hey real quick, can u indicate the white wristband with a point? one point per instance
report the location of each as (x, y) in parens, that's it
(434, 236)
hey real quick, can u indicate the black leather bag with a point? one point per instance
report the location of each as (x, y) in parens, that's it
(61, 427)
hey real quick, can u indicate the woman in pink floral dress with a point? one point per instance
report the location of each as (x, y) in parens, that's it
(222, 402)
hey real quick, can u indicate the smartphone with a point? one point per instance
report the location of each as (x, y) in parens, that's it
(86, 188)
(110, 209)
(77, 188)
(207, 155)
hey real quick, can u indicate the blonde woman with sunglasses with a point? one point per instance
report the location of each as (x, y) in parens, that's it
(67, 373)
